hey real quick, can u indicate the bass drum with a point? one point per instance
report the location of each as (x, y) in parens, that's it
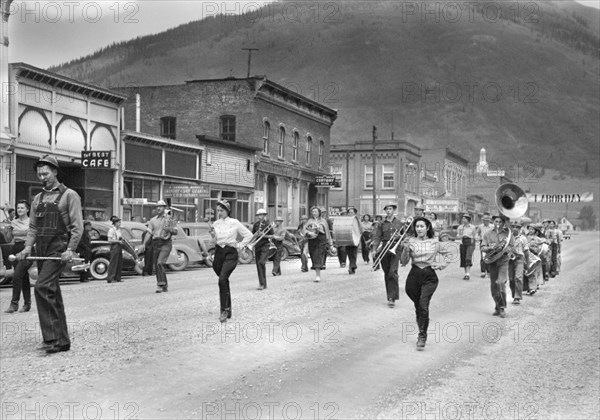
(346, 230)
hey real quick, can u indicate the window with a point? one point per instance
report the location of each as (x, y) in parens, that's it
(281, 142)
(338, 180)
(266, 135)
(388, 177)
(227, 127)
(369, 177)
(167, 127)
(308, 149)
(321, 150)
(295, 146)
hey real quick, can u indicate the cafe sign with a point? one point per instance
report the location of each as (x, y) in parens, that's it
(96, 159)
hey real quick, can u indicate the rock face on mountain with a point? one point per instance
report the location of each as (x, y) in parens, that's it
(518, 78)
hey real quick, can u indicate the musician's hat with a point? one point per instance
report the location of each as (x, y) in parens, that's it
(279, 219)
(261, 211)
(394, 206)
(486, 216)
(500, 216)
(46, 160)
(161, 203)
(516, 223)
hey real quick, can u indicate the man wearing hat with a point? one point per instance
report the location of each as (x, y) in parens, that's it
(261, 248)
(278, 236)
(388, 228)
(160, 229)
(498, 269)
(517, 264)
(418, 211)
(484, 227)
(351, 251)
(56, 228)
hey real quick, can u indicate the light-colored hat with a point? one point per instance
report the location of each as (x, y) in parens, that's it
(161, 203)
(486, 216)
(394, 206)
(225, 204)
(261, 211)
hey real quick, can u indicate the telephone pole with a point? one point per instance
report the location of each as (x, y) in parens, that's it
(374, 173)
(249, 58)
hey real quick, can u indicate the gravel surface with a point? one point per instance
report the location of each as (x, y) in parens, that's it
(305, 350)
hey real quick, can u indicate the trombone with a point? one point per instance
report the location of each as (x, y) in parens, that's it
(259, 235)
(392, 245)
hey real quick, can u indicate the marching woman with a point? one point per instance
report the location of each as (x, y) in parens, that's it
(422, 280)
(466, 233)
(116, 251)
(19, 227)
(365, 238)
(225, 231)
(316, 230)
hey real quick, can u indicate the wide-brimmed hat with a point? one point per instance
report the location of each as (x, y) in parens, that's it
(536, 226)
(394, 206)
(161, 203)
(261, 211)
(516, 223)
(46, 160)
(500, 216)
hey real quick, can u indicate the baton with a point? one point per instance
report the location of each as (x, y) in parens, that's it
(14, 257)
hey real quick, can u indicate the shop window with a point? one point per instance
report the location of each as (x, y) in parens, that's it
(167, 127)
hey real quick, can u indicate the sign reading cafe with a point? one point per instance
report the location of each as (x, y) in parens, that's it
(96, 159)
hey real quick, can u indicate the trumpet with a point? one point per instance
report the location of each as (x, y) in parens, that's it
(259, 235)
(392, 244)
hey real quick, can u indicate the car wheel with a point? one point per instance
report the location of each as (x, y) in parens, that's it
(284, 254)
(99, 268)
(245, 256)
(182, 262)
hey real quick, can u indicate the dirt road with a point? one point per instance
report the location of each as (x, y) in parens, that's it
(312, 350)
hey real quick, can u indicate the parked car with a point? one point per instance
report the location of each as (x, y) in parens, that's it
(449, 233)
(199, 231)
(290, 248)
(189, 249)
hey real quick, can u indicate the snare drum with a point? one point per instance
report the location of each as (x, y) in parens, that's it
(346, 230)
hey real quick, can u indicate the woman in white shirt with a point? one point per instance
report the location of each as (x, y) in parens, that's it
(466, 233)
(225, 231)
(116, 251)
(424, 251)
(19, 227)
(316, 230)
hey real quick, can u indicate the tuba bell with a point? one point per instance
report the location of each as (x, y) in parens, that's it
(512, 202)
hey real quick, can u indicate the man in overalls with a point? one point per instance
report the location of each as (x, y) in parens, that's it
(56, 227)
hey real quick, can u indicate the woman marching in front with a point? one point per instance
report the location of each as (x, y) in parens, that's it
(225, 231)
(365, 237)
(422, 280)
(316, 230)
(116, 251)
(19, 227)
(466, 232)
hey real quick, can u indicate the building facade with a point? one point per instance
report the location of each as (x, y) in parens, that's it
(395, 177)
(287, 133)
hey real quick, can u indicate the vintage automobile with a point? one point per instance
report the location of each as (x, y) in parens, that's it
(199, 231)
(290, 248)
(449, 233)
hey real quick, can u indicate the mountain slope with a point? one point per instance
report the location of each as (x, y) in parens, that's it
(524, 86)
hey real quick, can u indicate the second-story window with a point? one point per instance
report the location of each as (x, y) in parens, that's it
(368, 177)
(167, 127)
(266, 135)
(308, 149)
(321, 151)
(281, 142)
(227, 127)
(388, 177)
(295, 146)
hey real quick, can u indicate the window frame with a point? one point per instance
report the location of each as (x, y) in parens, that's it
(266, 137)
(308, 149)
(281, 143)
(384, 173)
(225, 121)
(166, 130)
(367, 172)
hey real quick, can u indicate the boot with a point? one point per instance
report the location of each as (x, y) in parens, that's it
(12, 308)
(421, 341)
(25, 308)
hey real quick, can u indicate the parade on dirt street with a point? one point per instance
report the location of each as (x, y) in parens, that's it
(299, 210)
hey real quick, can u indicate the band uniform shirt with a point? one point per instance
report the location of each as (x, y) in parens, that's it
(69, 206)
(493, 238)
(114, 234)
(482, 229)
(20, 229)
(260, 226)
(423, 252)
(156, 226)
(227, 231)
(384, 231)
(468, 231)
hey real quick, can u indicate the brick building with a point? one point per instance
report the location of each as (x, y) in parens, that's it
(396, 177)
(280, 139)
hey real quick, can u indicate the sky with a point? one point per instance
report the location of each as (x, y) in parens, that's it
(45, 33)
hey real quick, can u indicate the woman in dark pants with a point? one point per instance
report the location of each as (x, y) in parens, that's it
(422, 280)
(116, 251)
(225, 231)
(316, 230)
(466, 233)
(19, 227)
(365, 237)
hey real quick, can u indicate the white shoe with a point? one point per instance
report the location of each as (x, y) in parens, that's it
(317, 280)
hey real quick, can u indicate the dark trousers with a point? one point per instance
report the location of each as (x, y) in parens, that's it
(515, 276)
(149, 259)
(48, 298)
(420, 286)
(389, 264)
(341, 254)
(162, 249)
(261, 254)
(20, 278)
(364, 249)
(303, 257)
(554, 259)
(277, 260)
(466, 252)
(352, 252)
(498, 278)
(116, 263)
(225, 261)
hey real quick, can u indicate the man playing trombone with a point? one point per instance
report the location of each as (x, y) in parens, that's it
(262, 231)
(388, 229)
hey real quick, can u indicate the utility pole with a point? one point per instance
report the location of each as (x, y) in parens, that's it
(249, 58)
(374, 172)
(347, 178)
